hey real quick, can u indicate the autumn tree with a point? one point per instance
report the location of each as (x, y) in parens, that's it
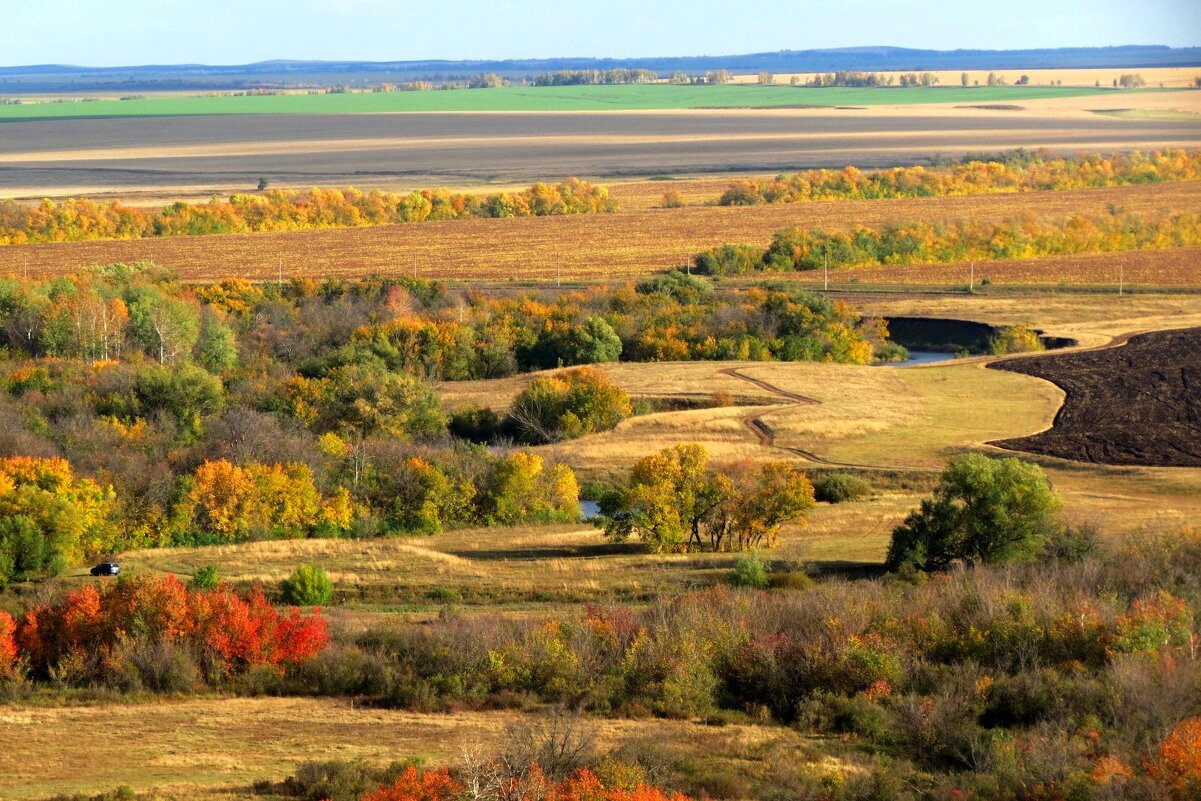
(522, 489)
(51, 518)
(225, 502)
(569, 405)
(1177, 764)
(675, 500)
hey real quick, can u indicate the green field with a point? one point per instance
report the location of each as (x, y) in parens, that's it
(554, 98)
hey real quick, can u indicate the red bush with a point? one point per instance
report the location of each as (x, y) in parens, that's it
(238, 632)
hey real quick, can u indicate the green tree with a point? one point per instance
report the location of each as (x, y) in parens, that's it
(205, 578)
(309, 585)
(164, 326)
(362, 400)
(983, 510)
(217, 346)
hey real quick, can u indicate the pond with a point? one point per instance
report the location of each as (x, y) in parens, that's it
(917, 357)
(589, 510)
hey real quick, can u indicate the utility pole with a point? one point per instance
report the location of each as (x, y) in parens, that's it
(281, 271)
(558, 274)
(971, 281)
(25, 267)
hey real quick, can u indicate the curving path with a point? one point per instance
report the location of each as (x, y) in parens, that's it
(754, 422)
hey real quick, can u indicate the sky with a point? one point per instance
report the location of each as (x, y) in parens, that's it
(135, 32)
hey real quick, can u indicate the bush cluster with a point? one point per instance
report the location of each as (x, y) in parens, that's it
(157, 634)
(960, 241)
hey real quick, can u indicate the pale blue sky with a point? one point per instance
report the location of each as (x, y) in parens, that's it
(126, 32)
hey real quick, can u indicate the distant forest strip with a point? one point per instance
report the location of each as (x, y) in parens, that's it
(975, 174)
(285, 210)
(926, 243)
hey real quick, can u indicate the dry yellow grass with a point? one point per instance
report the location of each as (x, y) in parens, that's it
(591, 247)
(216, 748)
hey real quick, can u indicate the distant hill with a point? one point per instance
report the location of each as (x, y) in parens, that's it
(299, 74)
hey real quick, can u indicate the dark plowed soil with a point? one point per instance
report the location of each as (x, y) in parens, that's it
(1138, 404)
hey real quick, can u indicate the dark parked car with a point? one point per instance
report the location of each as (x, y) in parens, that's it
(106, 569)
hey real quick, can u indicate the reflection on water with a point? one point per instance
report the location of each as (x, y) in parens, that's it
(922, 357)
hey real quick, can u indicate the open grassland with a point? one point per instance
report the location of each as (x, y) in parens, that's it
(214, 749)
(631, 243)
(194, 156)
(543, 98)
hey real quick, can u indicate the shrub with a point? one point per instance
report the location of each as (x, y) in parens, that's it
(1016, 339)
(309, 585)
(204, 578)
(840, 487)
(338, 780)
(751, 570)
(672, 199)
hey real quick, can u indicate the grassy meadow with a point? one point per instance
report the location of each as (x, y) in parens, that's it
(541, 98)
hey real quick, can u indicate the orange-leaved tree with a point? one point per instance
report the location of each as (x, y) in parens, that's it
(1177, 764)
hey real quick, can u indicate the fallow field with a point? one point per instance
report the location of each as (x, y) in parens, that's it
(637, 241)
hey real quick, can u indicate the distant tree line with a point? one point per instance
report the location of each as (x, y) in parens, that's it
(611, 77)
(851, 78)
(976, 173)
(286, 210)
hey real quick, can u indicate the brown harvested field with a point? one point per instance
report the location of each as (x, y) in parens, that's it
(216, 748)
(224, 154)
(1178, 267)
(599, 247)
(1137, 404)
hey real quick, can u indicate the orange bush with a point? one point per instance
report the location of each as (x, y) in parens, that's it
(431, 785)
(1178, 762)
(8, 646)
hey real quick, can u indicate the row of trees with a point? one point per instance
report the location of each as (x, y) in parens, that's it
(866, 79)
(1015, 171)
(924, 243)
(620, 75)
(286, 210)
